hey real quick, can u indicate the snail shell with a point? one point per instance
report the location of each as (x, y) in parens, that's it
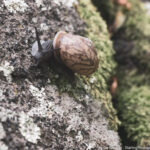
(76, 52)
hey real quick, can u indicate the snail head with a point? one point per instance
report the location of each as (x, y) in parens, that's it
(42, 49)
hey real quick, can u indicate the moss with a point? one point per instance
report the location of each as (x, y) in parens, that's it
(96, 85)
(137, 30)
(135, 109)
(107, 9)
(97, 31)
(132, 42)
(136, 27)
(133, 105)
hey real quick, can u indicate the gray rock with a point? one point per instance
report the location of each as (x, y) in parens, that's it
(33, 113)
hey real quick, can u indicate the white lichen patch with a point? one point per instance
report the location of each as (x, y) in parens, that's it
(1, 7)
(44, 108)
(14, 6)
(68, 3)
(3, 146)
(39, 3)
(91, 146)
(28, 128)
(35, 20)
(44, 26)
(2, 132)
(6, 114)
(39, 94)
(92, 79)
(7, 70)
(79, 137)
(1, 95)
(87, 87)
(74, 122)
(2, 135)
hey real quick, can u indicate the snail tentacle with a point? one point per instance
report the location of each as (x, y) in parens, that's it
(38, 40)
(41, 49)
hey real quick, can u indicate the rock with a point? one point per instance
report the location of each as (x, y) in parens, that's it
(39, 107)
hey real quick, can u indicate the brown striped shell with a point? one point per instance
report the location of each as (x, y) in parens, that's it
(76, 52)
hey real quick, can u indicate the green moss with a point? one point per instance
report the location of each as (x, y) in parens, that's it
(107, 9)
(97, 31)
(133, 105)
(96, 85)
(136, 28)
(137, 25)
(133, 69)
(135, 109)
(133, 94)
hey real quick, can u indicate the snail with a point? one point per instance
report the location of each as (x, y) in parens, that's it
(76, 52)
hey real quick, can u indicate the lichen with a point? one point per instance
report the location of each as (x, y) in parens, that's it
(68, 3)
(6, 114)
(15, 5)
(44, 107)
(1, 7)
(39, 94)
(91, 146)
(39, 3)
(28, 128)
(44, 26)
(3, 134)
(79, 136)
(7, 70)
(1, 95)
(3, 146)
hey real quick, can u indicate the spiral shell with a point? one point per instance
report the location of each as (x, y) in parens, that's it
(76, 52)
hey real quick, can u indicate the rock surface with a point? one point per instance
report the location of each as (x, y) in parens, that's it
(34, 115)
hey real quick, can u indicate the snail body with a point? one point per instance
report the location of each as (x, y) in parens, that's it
(76, 52)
